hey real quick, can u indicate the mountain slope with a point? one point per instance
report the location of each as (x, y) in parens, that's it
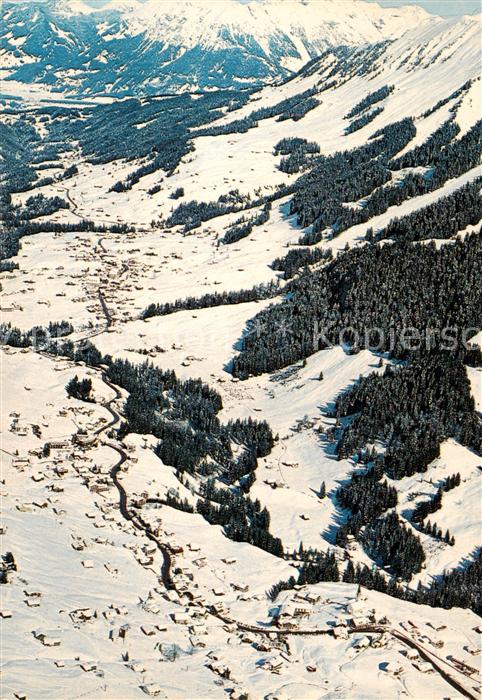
(128, 47)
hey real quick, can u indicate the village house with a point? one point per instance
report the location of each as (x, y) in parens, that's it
(202, 561)
(180, 618)
(82, 614)
(20, 463)
(220, 669)
(464, 667)
(360, 621)
(423, 666)
(361, 643)
(47, 640)
(60, 445)
(32, 602)
(152, 690)
(118, 633)
(394, 668)
(197, 643)
(88, 666)
(137, 667)
(411, 654)
(241, 588)
(340, 632)
(239, 694)
(381, 641)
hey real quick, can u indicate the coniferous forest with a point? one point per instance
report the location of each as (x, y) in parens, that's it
(411, 408)
(376, 293)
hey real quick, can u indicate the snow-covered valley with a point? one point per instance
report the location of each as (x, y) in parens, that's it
(120, 578)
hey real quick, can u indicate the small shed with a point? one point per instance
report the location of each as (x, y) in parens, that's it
(229, 560)
(47, 640)
(423, 666)
(88, 666)
(411, 654)
(394, 668)
(362, 643)
(180, 618)
(152, 689)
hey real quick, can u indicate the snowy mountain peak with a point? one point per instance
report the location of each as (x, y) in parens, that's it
(359, 21)
(129, 47)
(121, 6)
(70, 8)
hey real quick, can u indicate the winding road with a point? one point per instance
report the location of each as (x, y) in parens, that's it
(73, 208)
(105, 310)
(136, 520)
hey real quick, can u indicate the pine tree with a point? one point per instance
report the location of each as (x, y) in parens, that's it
(79, 389)
(349, 573)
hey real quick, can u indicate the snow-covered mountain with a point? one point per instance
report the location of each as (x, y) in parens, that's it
(200, 497)
(130, 47)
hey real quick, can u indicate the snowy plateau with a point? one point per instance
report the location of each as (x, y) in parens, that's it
(202, 495)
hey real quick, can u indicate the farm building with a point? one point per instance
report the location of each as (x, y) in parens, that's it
(393, 668)
(424, 666)
(180, 618)
(153, 690)
(362, 643)
(47, 640)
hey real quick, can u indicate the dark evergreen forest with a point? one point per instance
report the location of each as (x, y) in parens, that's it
(368, 297)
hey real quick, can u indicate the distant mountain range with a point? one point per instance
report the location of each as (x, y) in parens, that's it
(128, 47)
